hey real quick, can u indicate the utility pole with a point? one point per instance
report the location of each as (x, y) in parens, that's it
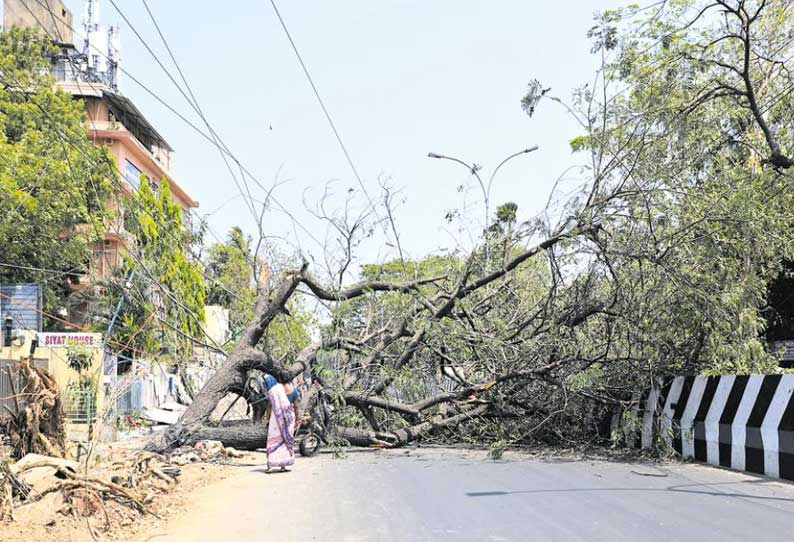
(484, 188)
(127, 284)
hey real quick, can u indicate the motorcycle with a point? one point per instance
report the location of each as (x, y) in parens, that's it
(315, 434)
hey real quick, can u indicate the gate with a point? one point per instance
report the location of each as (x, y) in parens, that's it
(9, 386)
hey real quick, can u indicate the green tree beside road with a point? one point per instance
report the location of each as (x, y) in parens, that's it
(163, 287)
(54, 181)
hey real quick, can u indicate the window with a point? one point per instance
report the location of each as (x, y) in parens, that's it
(132, 174)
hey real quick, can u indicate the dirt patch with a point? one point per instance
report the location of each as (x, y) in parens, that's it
(81, 515)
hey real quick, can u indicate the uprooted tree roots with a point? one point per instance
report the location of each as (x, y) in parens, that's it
(132, 483)
(116, 486)
(11, 488)
(36, 426)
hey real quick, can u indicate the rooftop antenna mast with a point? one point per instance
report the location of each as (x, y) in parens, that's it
(101, 47)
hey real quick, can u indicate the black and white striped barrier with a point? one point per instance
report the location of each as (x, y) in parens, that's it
(740, 422)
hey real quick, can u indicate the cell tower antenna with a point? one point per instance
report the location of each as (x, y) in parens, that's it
(101, 47)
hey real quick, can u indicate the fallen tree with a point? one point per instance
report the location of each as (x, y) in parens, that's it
(397, 344)
(36, 424)
(480, 357)
(658, 266)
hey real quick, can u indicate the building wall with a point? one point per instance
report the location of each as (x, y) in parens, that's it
(54, 360)
(33, 14)
(154, 163)
(130, 157)
(97, 109)
(123, 153)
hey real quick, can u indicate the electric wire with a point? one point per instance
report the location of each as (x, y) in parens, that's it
(147, 89)
(193, 103)
(322, 103)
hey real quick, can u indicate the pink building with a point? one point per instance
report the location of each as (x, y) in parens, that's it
(90, 74)
(137, 148)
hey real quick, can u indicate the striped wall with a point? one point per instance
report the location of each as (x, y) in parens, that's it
(740, 422)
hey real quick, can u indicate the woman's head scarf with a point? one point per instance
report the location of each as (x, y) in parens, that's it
(269, 381)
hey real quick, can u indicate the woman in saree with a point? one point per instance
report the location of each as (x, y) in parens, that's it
(283, 420)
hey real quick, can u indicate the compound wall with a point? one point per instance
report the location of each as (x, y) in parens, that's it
(739, 422)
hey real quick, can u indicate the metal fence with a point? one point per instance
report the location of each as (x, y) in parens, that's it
(79, 405)
(131, 399)
(9, 386)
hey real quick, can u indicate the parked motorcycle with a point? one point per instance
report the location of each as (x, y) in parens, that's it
(315, 433)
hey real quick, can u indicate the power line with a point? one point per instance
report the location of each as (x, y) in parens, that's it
(226, 151)
(98, 233)
(131, 252)
(72, 325)
(141, 298)
(114, 167)
(322, 103)
(76, 70)
(199, 131)
(38, 269)
(197, 107)
(193, 103)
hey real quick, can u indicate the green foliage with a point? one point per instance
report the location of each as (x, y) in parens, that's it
(535, 92)
(288, 334)
(701, 223)
(474, 338)
(587, 378)
(54, 182)
(497, 449)
(580, 143)
(230, 283)
(79, 358)
(164, 307)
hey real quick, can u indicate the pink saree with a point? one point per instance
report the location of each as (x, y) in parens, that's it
(280, 437)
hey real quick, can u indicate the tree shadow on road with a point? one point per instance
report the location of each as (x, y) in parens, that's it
(680, 488)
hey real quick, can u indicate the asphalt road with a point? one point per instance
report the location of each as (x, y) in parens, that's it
(444, 495)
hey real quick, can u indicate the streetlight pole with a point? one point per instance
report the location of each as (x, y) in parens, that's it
(474, 170)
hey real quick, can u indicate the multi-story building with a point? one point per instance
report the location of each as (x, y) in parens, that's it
(88, 70)
(52, 16)
(139, 152)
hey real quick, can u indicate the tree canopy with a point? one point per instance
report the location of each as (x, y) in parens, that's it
(691, 122)
(163, 287)
(54, 181)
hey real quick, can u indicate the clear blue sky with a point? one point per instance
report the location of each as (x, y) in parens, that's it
(400, 78)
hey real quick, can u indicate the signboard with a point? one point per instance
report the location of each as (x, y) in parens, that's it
(23, 303)
(65, 340)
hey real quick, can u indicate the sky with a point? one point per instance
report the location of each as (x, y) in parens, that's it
(400, 78)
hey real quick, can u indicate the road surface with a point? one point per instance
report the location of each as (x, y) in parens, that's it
(452, 495)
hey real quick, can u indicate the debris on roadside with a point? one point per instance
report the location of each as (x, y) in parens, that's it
(650, 474)
(207, 451)
(36, 424)
(39, 489)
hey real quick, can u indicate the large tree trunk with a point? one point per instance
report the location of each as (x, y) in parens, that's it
(241, 435)
(423, 416)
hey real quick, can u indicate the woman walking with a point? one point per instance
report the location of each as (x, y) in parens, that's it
(283, 420)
